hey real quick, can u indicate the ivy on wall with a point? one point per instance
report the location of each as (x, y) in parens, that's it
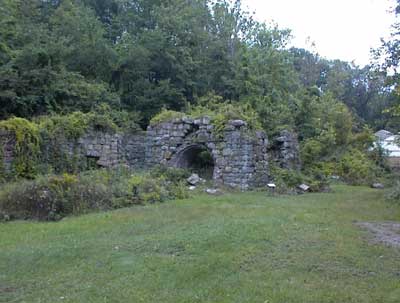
(26, 147)
(40, 145)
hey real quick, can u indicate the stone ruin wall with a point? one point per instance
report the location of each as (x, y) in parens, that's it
(284, 150)
(241, 157)
(106, 149)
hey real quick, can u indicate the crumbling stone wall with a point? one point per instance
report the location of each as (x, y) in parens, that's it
(240, 157)
(285, 150)
(106, 149)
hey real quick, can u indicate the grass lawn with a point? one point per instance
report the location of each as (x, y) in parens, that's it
(234, 248)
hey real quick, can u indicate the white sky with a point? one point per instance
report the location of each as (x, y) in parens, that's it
(340, 29)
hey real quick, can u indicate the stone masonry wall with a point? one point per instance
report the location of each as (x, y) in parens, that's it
(113, 149)
(105, 149)
(240, 157)
(285, 150)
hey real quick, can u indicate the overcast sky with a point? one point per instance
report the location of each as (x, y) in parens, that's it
(340, 29)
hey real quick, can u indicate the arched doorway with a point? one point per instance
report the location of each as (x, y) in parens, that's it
(196, 158)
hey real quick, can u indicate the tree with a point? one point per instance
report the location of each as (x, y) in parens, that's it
(387, 61)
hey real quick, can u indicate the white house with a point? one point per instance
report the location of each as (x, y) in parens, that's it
(391, 144)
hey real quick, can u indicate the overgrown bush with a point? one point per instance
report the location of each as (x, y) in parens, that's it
(40, 144)
(317, 148)
(159, 185)
(222, 113)
(76, 124)
(53, 197)
(166, 116)
(219, 113)
(287, 181)
(356, 168)
(174, 175)
(26, 146)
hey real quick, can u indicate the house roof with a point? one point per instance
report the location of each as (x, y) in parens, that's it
(383, 134)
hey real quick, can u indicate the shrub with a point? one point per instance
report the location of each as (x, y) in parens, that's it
(179, 191)
(53, 197)
(166, 116)
(287, 181)
(174, 175)
(356, 168)
(159, 185)
(222, 113)
(316, 149)
(26, 146)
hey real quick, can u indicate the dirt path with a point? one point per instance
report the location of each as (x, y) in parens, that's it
(387, 233)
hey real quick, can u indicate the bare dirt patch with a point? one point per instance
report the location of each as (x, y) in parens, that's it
(387, 233)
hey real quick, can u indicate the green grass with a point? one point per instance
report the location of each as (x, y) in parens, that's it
(234, 248)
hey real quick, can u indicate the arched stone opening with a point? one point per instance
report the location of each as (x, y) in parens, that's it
(196, 158)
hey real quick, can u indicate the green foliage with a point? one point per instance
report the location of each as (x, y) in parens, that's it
(103, 62)
(51, 198)
(159, 185)
(315, 149)
(356, 168)
(76, 124)
(148, 190)
(287, 181)
(227, 112)
(219, 113)
(166, 116)
(174, 175)
(274, 113)
(222, 113)
(59, 57)
(26, 146)
(71, 126)
(55, 196)
(331, 143)
(40, 145)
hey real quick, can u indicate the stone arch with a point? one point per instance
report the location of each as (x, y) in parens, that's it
(191, 156)
(239, 154)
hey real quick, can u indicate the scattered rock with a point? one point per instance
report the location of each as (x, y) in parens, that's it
(378, 186)
(213, 191)
(192, 188)
(304, 187)
(194, 179)
(237, 123)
